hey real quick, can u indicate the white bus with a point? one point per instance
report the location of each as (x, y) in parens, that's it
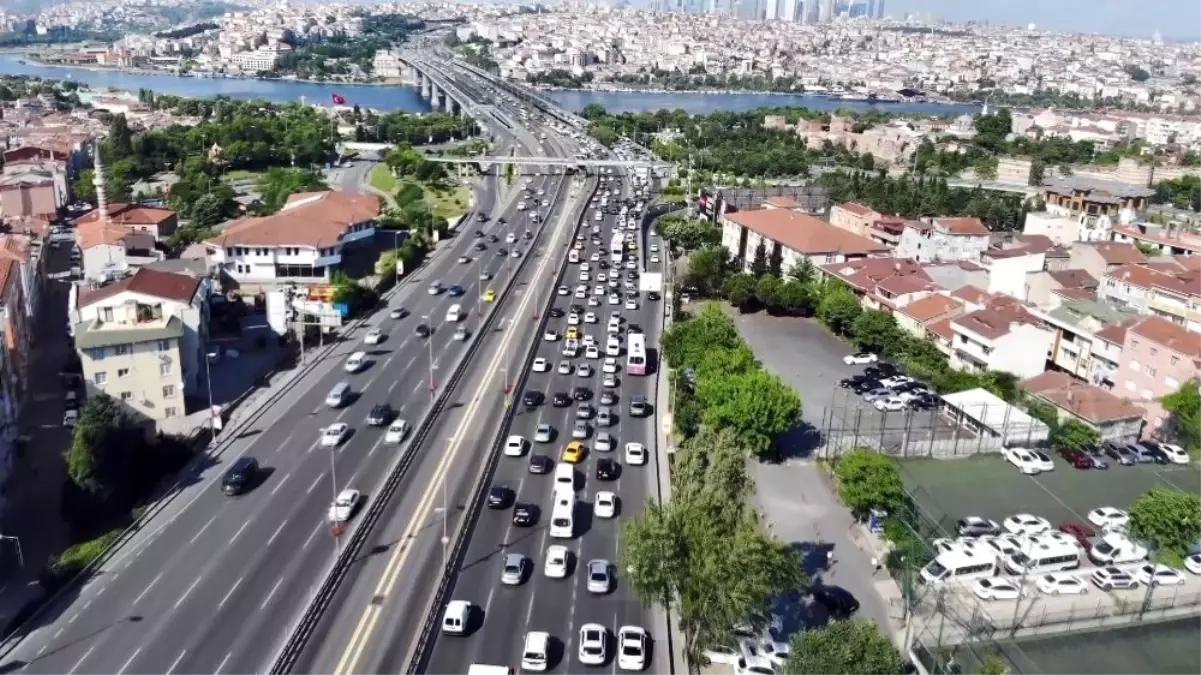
(1040, 555)
(959, 565)
(617, 249)
(636, 355)
(562, 516)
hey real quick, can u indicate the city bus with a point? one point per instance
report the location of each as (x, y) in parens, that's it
(636, 355)
(617, 248)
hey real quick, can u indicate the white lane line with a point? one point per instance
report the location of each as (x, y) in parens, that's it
(270, 595)
(176, 662)
(41, 650)
(86, 605)
(276, 533)
(239, 532)
(310, 539)
(201, 530)
(186, 593)
(223, 662)
(281, 482)
(82, 659)
(488, 602)
(147, 589)
(314, 485)
(229, 593)
(57, 633)
(128, 661)
(100, 591)
(73, 618)
(529, 613)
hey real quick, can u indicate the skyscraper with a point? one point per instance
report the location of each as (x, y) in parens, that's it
(826, 11)
(771, 9)
(879, 9)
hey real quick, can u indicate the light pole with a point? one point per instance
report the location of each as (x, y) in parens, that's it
(17, 542)
(208, 379)
(396, 253)
(430, 343)
(445, 512)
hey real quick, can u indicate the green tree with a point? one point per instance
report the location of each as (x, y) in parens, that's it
(759, 265)
(102, 444)
(767, 291)
(686, 343)
(120, 138)
(1184, 421)
(869, 480)
(708, 269)
(278, 183)
(757, 404)
(1073, 434)
(994, 664)
(775, 261)
(739, 290)
(838, 308)
(1169, 520)
(689, 234)
(855, 647)
(876, 331)
(83, 187)
(794, 297)
(1038, 171)
(803, 272)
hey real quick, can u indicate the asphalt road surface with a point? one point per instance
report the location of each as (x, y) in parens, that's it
(215, 586)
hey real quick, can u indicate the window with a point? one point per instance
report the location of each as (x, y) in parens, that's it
(100, 377)
(126, 395)
(121, 350)
(122, 372)
(1134, 344)
(1134, 365)
(96, 353)
(1175, 360)
(1151, 371)
(170, 412)
(164, 345)
(1130, 386)
(164, 369)
(106, 313)
(1154, 351)
(169, 391)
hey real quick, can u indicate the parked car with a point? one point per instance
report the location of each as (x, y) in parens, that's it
(862, 358)
(975, 526)
(1082, 533)
(1119, 454)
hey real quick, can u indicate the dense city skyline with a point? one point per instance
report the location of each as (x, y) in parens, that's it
(1173, 18)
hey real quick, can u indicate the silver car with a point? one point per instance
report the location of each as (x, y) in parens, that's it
(604, 442)
(604, 417)
(599, 579)
(544, 433)
(514, 570)
(580, 431)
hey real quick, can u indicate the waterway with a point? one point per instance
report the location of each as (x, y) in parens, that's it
(406, 98)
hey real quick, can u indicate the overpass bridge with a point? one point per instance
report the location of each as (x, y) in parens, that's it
(551, 161)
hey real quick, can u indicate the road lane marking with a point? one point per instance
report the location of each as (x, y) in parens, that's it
(73, 618)
(224, 661)
(310, 539)
(200, 531)
(367, 621)
(281, 482)
(86, 605)
(41, 650)
(276, 533)
(229, 593)
(270, 595)
(186, 594)
(175, 663)
(82, 659)
(239, 532)
(314, 485)
(128, 661)
(147, 590)
(57, 633)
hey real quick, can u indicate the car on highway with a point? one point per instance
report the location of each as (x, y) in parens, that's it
(1110, 578)
(434, 288)
(584, 369)
(334, 434)
(633, 645)
(544, 433)
(344, 507)
(610, 365)
(397, 432)
(455, 291)
(540, 464)
(514, 446)
(240, 475)
(541, 365)
(489, 295)
(638, 406)
(592, 649)
(398, 313)
(380, 414)
(604, 441)
(600, 580)
(513, 569)
(1061, 584)
(584, 411)
(1108, 517)
(607, 469)
(499, 497)
(565, 368)
(550, 336)
(635, 454)
(374, 336)
(573, 453)
(605, 417)
(997, 588)
(422, 330)
(525, 515)
(580, 431)
(463, 260)
(561, 399)
(70, 418)
(532, 398)
(355, 362)
(605, 504)
(558, 560)
(608, 397)
(460, 334)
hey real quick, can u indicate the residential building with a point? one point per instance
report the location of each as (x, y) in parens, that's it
(109, 251)
(1147, 290)
(1003, 336)
(944, 240)
(1168, 240)
(852, 217)
(1041, 286)
(887, 230)
(916, 317)
(883, 283)
(797, 235)
(145, 303)
(1098, 258)
(1076, 323)
(29, 194)
(136, 361)
(1157, 358)
(303, 243)
(1115, 418)
(1106, 352)
(1095, 205)
(17, 322)
(156, 221)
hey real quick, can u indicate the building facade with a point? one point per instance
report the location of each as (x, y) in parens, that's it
(1158, 357)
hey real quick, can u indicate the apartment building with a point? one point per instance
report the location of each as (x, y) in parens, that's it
(944, 240)
(852, 217)
(156, 221)
(1168, 240)
(1158, 356)
(797, 236)
(883, 283)
(1098, 258)
(1076, 324)
(1003, 336)
(17, 323)
(1096, 206)
(1115, 418)
(303, 243)
(916, 317)
(122, 318)
(109, 251)
(1043, 288)
(1175, 296)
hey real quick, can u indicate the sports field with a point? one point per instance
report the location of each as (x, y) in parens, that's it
(988, 486)
(1160, 647)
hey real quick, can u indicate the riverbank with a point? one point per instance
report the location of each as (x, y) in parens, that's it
(845, 96)
(154, 72)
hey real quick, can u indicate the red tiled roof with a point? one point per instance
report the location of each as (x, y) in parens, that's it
(867, 274)
(1116, 332)
(7, 268)
(129, 214)
(316, 219)
(1183, 283)
(1169, 335)
(1090, 403)
(804, 233)
(781, 202)
(855, 208)
(166, 285)
(965, 226)
(1073, 278)
(1118, 253)
(930, 307)
(994, 321)
(942, 328)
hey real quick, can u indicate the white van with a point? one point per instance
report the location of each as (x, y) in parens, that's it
(455, 313)
(562, 516)
(456, 617)
(536, 652)
(1040, 554)
(1115, 549)
(573, 257)
(485, 669)
(564, 478)
(959, 565)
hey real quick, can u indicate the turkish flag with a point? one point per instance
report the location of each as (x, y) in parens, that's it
(338, 99)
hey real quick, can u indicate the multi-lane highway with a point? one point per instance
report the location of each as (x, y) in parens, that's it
(213, 585)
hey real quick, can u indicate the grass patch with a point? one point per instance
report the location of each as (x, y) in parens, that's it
(242, 174)
(381, 178)
(450, 204)
(79, 556)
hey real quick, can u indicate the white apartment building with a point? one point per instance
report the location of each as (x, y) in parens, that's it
(303, 243)
(1076, 324)
(1174, 295)
(944, 240)
(1003, 337)
(797, 235)
(261, 59)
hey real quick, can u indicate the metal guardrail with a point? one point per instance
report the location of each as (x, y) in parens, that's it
(298, 640)
(425, 641)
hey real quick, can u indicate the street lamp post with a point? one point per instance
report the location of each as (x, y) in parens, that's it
(430, 343)
(208, 379)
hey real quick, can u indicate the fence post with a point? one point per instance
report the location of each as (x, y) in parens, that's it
(858, 418)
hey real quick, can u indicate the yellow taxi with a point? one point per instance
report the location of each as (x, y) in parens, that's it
(633, 245)
(579, 246)
(573, 333)
(573, 453)
(489, 295)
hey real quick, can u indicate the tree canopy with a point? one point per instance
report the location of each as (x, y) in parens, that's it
(686, 343)
(1184, 407)
(855, 647)
(1169, 520)
(868, 480)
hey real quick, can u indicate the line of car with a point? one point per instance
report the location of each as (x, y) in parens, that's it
(1095, 456)
(882, 385)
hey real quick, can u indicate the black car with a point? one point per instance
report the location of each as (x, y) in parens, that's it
(499, 497)
(502, 251)
(577, 308)
(556, 312)
(381, 414)
(880, 370)
(525, 515)
(532, 398)
(540, 464)
(422, 330)
(480, 246)
(482, 217)
(500, 221)
(850, 382)
(865, 386)
(239, 476)
(638, 406)
(561, 399)
(631, 274)
(839, 603)
(653, 296)
(604, 264)
(581, 393)
(479, 233)
(493, 238)
(608, 397)
(606, 469)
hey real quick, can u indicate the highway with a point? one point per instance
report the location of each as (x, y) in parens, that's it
(214, 583)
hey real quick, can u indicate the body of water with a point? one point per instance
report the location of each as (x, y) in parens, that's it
(406, 98)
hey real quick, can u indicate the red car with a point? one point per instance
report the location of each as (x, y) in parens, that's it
(1076, 458)
(1082, 532)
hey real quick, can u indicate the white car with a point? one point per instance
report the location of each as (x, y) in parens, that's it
(1110, 578)
(593, 302)
(610, 365)
(1061, 584)
(614, 299)
(580, 292)
(605, 505)
(1175, 453)
(332, 435)
(585, 370)
(632, 648)
(602, 277)
(1158, 575)
(860, 359)
(724, 654)
(890, 404)
(573, 319)
(590, 317)
(1024, 460)
(654, 259)
(1024, 523)
(397, 431)
(997, 588)
(1193, 563)
(635, 454)
(592, 352)
(592, 645)
(563, 290)
(631, 305)
(610, 381)
(654, 248)
(565, 367)
(550, 336)
(598, 290)
(514, 446)
(541, 365)
(1108, 517)
(1043, 460)
(355, 362)
(374, 336)
(70, 417)
(344, 506)
(595, 257)
(556, 563)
